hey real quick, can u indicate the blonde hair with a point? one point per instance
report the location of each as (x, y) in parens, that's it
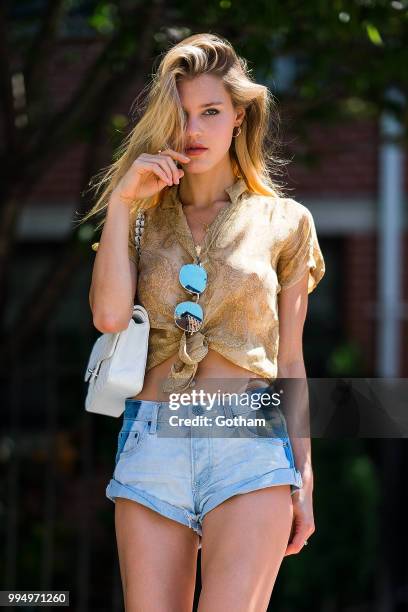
(162, 122)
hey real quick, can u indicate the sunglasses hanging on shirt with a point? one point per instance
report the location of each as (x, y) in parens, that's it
(189, 315)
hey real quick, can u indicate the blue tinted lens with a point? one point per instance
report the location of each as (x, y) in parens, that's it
(189, 316)
(193, 278)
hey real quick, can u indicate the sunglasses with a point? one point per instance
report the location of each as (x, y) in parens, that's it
(189, 316)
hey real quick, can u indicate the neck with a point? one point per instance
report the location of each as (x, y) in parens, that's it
(202, 190)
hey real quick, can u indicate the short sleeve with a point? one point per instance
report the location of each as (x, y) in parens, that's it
(300, 252)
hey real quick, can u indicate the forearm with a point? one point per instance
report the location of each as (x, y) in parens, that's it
(110, 295)
(295, 407)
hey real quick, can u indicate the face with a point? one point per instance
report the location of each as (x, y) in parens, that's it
(210, 121)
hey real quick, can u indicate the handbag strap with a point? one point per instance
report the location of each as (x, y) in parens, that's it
(140, 220)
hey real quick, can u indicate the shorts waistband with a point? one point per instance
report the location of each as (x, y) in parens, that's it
(237, 404)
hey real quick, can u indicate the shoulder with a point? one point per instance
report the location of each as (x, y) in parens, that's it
(287, 208)
(293, 210)
(286, 215)
(295, 219)
(259, 202)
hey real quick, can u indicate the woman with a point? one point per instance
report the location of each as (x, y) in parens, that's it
(198, 164)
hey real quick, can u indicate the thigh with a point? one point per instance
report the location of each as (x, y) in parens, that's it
(243, 544)
(157, 557)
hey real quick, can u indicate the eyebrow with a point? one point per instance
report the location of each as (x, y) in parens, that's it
(211, 104)
(217, 103)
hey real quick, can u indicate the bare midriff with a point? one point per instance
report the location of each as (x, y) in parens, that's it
(214, 373)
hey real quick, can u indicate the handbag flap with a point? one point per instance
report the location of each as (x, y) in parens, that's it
(106, 344)
(103, 348)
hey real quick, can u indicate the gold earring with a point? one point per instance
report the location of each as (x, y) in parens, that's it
(239, 131)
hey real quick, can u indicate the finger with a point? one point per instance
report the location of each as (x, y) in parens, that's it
(180, 158)
(160, 162)
(160, 172)
(175, 154)
(296, 544)
(157, 159)
(172, 167)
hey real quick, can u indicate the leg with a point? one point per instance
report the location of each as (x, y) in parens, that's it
(157, 557)
(243, 544)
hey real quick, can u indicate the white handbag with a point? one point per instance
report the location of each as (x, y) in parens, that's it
(117, 364)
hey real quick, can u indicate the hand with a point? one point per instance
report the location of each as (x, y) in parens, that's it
(303, 522)
(148, 174)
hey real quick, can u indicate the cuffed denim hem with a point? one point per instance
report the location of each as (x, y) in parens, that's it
(279, 476)
(117, 489)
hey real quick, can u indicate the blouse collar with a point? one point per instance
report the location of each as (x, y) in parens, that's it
(171, 195)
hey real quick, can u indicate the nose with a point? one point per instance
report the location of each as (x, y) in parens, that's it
(193, 127)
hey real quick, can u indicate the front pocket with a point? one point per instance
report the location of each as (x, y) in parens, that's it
(130, 440)
(272, 431)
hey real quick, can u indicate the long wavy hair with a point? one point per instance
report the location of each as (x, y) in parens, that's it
(162, 121)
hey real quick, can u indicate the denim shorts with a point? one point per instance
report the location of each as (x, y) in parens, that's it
(184, 471)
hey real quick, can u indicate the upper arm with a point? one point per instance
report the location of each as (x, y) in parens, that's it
(133, 259)
(292, 305)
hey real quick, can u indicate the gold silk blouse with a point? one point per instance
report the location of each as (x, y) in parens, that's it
(258, 245)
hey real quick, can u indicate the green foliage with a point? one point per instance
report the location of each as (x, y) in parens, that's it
(104, 18)
(346, 359)
(345, 52)
(373, 34)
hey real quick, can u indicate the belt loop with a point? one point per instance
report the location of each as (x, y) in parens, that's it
(153, 420)
(228, 410)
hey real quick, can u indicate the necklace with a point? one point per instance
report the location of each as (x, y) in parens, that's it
(220, 215)
(205, 225)
(198, 247)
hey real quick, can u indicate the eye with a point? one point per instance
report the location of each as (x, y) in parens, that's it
(212, 109)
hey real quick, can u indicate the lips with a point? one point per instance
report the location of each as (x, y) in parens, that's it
(196, 147)
(196, 151)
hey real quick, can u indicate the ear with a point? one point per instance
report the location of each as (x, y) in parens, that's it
(239, 115)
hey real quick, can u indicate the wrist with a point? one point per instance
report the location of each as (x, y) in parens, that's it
(116, 197)
(307, 475)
